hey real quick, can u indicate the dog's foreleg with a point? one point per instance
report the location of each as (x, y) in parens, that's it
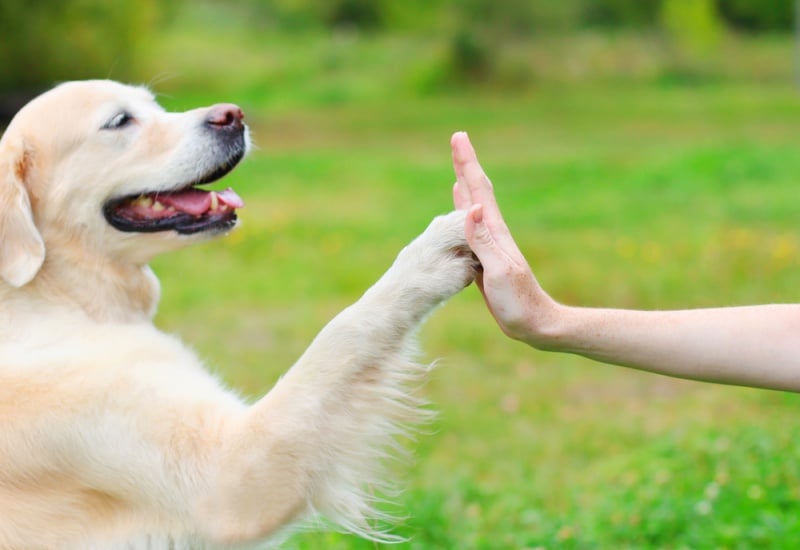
(316, 441)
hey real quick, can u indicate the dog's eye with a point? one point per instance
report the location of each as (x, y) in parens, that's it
(120, 120)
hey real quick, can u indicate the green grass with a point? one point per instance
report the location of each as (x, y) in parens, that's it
(627, 194)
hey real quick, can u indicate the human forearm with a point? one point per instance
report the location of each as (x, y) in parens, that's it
(753, 346)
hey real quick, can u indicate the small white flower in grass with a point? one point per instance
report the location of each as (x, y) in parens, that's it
(702, 508)
(712, 491)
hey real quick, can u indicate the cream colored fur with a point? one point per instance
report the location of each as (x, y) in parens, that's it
(112, 433)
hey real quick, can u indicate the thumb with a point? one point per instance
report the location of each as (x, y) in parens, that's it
(479, 237)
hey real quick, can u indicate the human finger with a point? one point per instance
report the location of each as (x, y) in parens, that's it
(461, 199)
(474, 183)
(480, 237)
(469, 172)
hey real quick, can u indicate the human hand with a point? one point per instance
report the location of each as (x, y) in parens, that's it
(520, 306)
(723, 345)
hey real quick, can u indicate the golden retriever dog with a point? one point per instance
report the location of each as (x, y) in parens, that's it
(112, 433)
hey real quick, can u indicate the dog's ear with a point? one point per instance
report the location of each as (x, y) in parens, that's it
(21, 245)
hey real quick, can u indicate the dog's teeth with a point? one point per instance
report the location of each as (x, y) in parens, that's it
(223, 208)
(143, 201)
(170, 209)
(214, 200)
(158, 207)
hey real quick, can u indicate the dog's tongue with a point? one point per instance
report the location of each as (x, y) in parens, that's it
(197, 202)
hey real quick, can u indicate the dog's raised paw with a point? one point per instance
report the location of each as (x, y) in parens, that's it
(440, 260)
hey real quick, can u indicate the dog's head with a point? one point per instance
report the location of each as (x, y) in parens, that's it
(100, 166)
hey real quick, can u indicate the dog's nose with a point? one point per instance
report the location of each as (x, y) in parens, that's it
(225, 115)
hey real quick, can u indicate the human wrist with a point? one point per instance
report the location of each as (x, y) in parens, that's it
(546, 326)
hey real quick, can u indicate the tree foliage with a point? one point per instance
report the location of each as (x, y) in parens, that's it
(45, 41)
(758, 15)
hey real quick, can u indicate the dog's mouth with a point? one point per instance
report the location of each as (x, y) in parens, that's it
(187, 210)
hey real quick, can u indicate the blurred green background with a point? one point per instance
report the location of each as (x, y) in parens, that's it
(645, 153)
